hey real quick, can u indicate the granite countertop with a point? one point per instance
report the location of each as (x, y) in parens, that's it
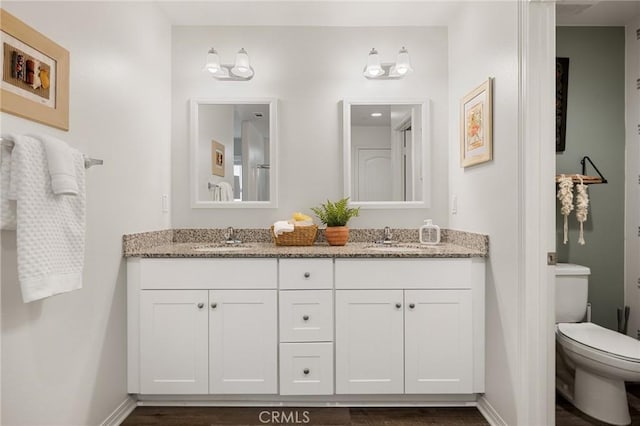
(207, 243)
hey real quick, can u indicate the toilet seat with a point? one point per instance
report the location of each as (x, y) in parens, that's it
(603, 340)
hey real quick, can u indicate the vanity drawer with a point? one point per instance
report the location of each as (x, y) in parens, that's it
(303, 274)
(306, 368)
(455, 273)
(205, 274)
(306, 316)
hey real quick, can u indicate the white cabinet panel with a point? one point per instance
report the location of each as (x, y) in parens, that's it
(306, 368)
(306, 316)
(438, 341)
(209, 273)
(404, 273)
(173, 342)
(369, 341)
(304, 274)
(243, 341)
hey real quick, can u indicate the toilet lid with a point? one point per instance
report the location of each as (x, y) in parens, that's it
(602, 339)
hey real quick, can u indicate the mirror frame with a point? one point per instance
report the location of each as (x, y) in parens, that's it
(425, 171)
(273, 151)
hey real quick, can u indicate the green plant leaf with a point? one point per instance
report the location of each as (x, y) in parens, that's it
(335, 213)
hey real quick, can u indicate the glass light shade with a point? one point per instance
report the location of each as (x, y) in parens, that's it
(373, 68)
(213, 61)
(241, 66)
(403, 62)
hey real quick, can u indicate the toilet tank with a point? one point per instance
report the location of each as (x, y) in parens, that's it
(572, 289)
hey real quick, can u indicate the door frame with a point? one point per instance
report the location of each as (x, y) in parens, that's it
(536, 207)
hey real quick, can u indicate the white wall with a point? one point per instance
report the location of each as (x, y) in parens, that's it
(64, 358)
(632, 208)
(215, 122)
(482, 44)
(309, 69)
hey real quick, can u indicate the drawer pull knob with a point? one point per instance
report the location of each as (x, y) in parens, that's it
(398, 305)
(305, 371)
(214, 305)
(305, 317)
(200, 305)
(412, 305)
(307, 274)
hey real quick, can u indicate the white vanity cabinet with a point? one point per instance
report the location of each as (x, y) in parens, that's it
(202, 326)
(409, 326)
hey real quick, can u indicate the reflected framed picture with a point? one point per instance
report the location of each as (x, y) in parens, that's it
(476, 132)
(562, 86)
(35, 74)
(217, 158)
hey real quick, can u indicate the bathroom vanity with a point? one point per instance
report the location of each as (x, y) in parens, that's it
(315, 324)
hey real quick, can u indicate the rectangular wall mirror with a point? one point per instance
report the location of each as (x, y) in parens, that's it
(233, 153)
(386, 153)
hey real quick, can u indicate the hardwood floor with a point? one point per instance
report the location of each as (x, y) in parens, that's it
(568, 415)
(207, 416)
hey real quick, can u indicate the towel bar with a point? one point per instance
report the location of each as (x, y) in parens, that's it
(88, 161)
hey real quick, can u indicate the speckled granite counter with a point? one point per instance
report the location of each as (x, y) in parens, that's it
(181, 243)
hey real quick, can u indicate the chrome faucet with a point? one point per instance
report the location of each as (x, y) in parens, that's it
(230, 235)
(387, 234)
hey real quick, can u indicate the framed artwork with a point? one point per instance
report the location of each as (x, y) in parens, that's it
(562, 85)
(35, 74)
(476, 133)
(217, 158)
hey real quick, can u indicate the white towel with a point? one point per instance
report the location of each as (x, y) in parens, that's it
(51, 229)
(7, 206)
(60, 159)
(282, 226)
(226, 191)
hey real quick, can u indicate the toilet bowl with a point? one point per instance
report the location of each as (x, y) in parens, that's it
(593, 362)
(602, 360)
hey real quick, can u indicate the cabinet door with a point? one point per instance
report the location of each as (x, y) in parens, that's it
(438, 341)
(243, 341)
(173, 342)
(369, 341)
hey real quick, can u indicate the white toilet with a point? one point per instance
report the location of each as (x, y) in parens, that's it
(592, 362)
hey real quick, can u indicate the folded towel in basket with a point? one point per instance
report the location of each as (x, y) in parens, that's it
(282, 226)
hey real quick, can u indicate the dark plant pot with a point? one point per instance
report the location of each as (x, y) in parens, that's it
(337, 235)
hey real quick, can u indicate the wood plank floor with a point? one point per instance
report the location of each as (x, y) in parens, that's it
(250, 416)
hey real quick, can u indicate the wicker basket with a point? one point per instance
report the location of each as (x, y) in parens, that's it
(300, 236)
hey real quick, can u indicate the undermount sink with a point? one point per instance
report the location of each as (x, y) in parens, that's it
(406, 248)
(222, 247)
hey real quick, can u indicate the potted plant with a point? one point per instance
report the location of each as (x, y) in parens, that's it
(335, 216)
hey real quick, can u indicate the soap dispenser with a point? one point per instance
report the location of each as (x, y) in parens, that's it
(429, 233)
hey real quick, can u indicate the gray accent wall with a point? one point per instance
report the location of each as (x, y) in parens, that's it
(596, 128)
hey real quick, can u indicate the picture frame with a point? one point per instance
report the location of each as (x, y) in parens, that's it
(476, 125)
(562, 91)
(217, 158)
(34, 76)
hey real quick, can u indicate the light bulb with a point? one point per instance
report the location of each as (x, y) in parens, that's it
(373, 68)
(403, 62)
(213, 61)
(242, 67)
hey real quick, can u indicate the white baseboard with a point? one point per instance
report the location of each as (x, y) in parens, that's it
(490, 413)
(121, 412)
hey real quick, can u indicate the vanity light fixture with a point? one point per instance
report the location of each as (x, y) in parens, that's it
(375, 70)
(240, 71)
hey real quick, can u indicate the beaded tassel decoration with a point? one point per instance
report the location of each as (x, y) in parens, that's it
(582, 207)
(565, 195)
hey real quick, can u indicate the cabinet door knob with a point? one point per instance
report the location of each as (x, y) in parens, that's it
(305, 317)
(305, 371)
(214, 305)
(307, 274)
(200, 305)
(398, 305)
(412, 305)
